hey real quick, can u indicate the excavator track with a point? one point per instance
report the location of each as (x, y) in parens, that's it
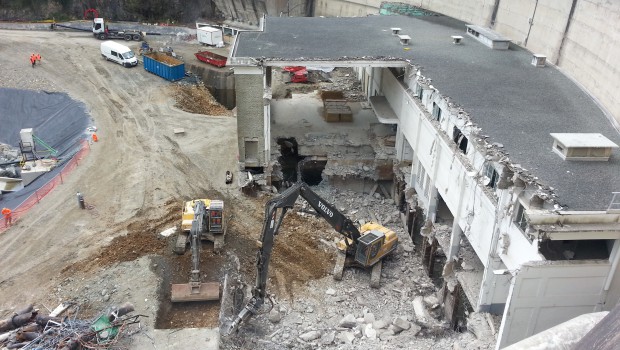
(375, 275)
(218, 243)
(181, 243)
(339, 267)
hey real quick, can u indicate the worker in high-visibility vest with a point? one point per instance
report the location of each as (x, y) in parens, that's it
(8, 216)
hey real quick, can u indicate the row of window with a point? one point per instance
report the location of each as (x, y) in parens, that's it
(490, 175)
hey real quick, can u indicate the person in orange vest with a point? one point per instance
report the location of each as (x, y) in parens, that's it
(95, 138)
(8, 216)
(39, 57)
(33, 60)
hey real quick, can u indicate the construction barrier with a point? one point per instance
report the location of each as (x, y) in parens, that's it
(47, 188)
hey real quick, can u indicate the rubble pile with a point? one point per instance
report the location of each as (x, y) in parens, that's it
(404, 313)
(345, 80)
(8, 154)
(28, 329)
(197, 99)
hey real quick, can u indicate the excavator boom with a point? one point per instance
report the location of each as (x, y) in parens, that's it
(275, 210)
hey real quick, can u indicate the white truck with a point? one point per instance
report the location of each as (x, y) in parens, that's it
(208, 35)
(118, 53)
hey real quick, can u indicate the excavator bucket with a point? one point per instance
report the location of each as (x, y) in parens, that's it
(195, 292)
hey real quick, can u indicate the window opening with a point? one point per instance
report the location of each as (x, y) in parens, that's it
(586, 249)
(520, 219)
(460, 139)
(436, 112)
(419, 92)
(491, 175)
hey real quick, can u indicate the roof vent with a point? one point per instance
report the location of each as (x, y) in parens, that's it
(583, 146)
(539, 60)
(404, 39)
(395, 31)
(488, 37)
(456, 39)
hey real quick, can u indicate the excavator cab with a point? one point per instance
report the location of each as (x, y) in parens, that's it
(369, 247)
(216, 216)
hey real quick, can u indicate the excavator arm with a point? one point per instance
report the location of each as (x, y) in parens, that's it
(275, 211)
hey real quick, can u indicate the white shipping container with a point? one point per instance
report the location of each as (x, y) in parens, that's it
(209, 35)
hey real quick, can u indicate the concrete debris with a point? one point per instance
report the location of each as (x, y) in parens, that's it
(348, 321)
(274, 316)
(369, 317)
(431, 301)
(478, 325)
(328, 338)
(380, 324)
(346, 337)
(353, 315)
(421, 313)
(369, 332)
(309, 336)
(401, 324)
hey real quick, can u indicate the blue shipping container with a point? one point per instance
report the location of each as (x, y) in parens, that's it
(153, 64)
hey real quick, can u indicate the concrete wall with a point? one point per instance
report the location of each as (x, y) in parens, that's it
(220, 83)
(580, 36)
(250, 111)
(250, 11)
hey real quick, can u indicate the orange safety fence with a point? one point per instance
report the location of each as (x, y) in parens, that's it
(47, 188)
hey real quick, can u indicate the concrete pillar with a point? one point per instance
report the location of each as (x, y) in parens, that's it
(432, 203)
(455, 240)
(250, 116)
(495, 287)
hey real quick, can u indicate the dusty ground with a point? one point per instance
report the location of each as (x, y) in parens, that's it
(134, 181)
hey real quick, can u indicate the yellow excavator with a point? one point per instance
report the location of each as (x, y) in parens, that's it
(364, 247)
(212, 226)
(201, 219)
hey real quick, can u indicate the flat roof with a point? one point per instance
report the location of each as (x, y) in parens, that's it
(591, 140)
(513, 102)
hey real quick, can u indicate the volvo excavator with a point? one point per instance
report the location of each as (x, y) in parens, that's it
(364, 247)
(201, 217)
(212, 223)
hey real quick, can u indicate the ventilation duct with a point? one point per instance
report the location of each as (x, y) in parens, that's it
(582, 146)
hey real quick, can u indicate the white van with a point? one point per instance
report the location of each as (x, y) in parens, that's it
(118, 53)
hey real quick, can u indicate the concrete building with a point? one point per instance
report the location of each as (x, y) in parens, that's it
(507, 173)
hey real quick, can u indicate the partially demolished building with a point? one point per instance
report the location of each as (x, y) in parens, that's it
(506, 172)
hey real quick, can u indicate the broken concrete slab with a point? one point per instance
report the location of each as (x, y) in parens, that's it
(348, 321)
(401, 324)
(346, 337)
(310, 336)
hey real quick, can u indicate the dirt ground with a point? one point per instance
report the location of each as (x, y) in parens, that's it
(134, 182)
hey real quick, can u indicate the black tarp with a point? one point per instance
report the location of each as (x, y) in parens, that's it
(54, 117)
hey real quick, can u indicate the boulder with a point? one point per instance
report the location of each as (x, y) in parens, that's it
(369, 332)
(348, 321)
(310, 336)
(401, 324)
(274, 316)
(346, 337)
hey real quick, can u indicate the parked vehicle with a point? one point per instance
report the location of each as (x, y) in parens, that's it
(118, 53)
(165, 66)
(208, 35)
